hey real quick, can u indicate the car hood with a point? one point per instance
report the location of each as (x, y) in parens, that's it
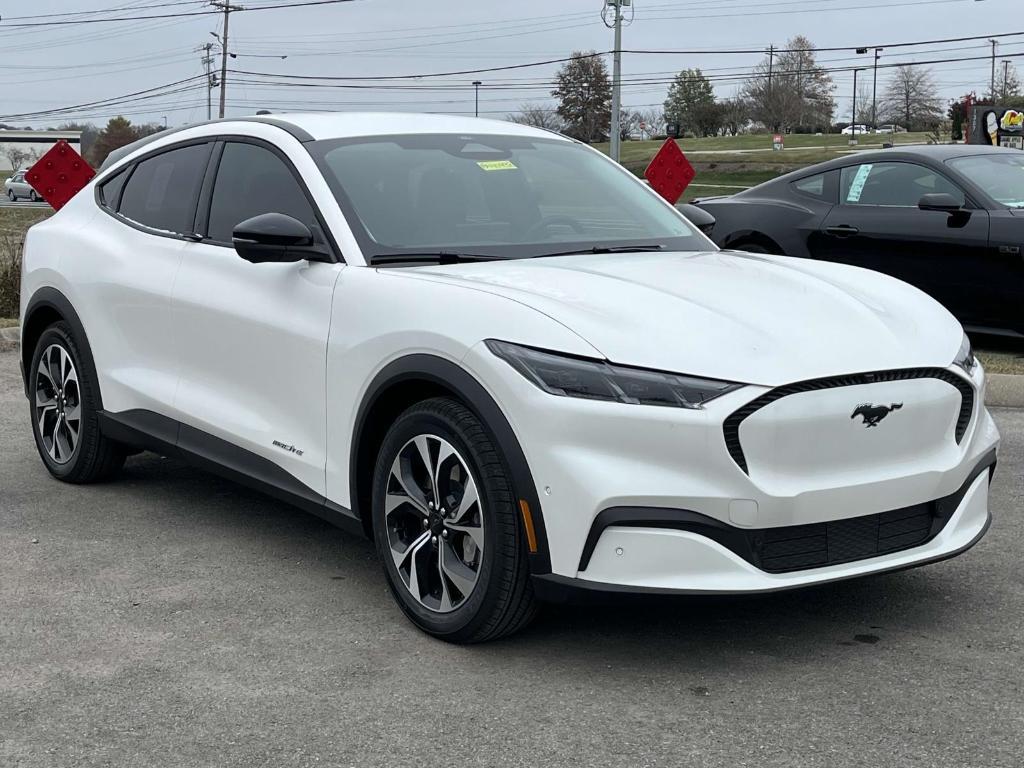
(750, 318)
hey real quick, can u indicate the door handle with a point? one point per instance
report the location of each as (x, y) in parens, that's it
(843, 230)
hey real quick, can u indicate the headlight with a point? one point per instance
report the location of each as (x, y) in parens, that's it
(965, 357)
(599, 380)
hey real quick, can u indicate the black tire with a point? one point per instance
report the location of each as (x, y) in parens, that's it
(34, 196)
(502, 601)
(11, 196)
(94, 457)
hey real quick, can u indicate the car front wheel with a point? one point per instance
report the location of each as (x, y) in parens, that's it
(446, 527)
(63, 401)
(11, 196)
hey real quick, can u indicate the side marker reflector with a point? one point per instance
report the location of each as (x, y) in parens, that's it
(531, 535)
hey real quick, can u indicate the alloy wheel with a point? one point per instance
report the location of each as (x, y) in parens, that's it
(58, 404)
(435, 523)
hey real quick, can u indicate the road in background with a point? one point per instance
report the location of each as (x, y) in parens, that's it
(171, 616)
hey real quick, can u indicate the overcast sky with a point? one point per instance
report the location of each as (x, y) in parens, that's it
(64, 65)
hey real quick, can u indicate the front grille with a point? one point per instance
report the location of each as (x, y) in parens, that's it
(796, 547)
(732, 423)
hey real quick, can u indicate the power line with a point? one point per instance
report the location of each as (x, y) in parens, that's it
(149, 17)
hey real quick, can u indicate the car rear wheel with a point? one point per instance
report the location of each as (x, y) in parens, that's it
(446, 527)
(63, 401)
(33, 196)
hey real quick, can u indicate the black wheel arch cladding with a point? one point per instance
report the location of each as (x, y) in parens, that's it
(421, 376)
(46, 307)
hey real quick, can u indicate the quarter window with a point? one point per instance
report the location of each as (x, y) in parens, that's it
(892, 184)
(110, 190)
(251, 181)
(162, 190)
(812, 186)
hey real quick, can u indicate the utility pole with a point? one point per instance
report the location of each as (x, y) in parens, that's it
(207, 62)
(476, 99)
(874, 91)
(227, 8)
(616, 137)
(993, 89)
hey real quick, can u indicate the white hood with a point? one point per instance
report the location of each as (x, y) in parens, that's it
(754, 319)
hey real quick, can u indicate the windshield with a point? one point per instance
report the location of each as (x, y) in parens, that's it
(495, 196)
(1000, 175)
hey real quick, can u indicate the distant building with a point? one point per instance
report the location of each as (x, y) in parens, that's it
(22, 148)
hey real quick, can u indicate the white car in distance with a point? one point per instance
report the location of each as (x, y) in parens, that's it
(505, 359)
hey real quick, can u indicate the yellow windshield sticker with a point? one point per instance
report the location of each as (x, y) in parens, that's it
(497, 165)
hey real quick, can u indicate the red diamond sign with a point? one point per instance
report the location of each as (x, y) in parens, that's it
(59, 175)
(670, 172)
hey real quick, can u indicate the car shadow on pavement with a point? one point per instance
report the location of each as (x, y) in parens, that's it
(873, 611)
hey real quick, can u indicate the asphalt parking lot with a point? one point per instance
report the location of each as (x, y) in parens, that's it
(174, 619)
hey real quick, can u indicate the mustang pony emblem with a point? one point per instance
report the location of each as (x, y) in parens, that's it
(873, 414)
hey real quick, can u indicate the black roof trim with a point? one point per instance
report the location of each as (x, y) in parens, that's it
(118, 154)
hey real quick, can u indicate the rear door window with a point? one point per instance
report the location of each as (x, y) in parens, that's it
(163, 190)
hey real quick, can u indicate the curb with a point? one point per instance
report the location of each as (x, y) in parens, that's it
(1004, 390)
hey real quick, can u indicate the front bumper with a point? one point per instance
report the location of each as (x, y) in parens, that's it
(809, 464)
(693, 559)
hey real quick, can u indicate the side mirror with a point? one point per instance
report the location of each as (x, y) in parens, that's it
(940, 201)
(277, 238)
(700, 218)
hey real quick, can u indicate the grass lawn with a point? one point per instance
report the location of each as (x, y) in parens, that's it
(13, 223)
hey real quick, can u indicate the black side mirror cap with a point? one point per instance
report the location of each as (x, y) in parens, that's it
(276, 238)
(940, 201)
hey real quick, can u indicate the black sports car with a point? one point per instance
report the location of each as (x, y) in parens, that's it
(948, 219)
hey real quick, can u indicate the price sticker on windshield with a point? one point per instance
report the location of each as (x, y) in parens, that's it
(497, 165)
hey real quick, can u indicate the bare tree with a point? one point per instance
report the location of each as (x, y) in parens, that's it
(537, 116)
(790, 91)
(911, 98)
(1007, 83)
(15, 155)
(735, 114)
(864, 114)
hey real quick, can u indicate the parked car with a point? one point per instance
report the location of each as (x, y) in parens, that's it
(504, 358)
(19, 189)
(850, 130)
(887, 129)
(947, 219)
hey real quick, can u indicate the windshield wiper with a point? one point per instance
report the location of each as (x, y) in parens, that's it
(431, 257)
(602, 249)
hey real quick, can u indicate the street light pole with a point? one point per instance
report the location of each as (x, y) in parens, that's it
(476, 99)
